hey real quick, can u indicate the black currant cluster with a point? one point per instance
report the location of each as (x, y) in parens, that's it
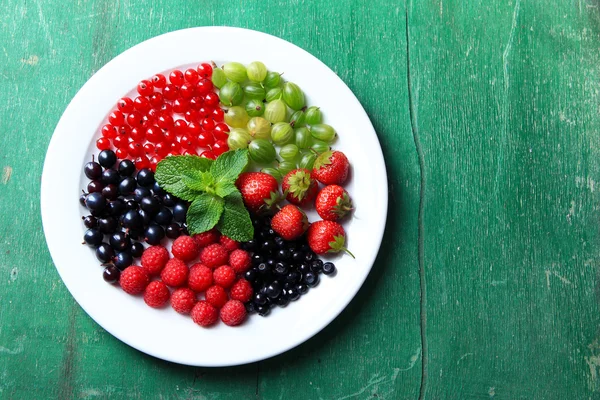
(282, 271)
(128, 208)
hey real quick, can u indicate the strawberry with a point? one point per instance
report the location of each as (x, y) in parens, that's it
(327, 237)
(331, 168)
(299, 187)
(333, 203)
(258, 189)
(290, 222)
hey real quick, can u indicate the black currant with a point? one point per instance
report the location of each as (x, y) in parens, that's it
(311, 279)
(180, 211)
(127, 186)
(260, 299)
(126, 168)
(263, 311)
(169, 200)
(95, 202)
(90, 221)
(111, 274)
(116, 207)
(107, 158)
(302, 288)
(293, 277)
(141, 192)
(329, 268)
(123, 260)
(145, 216)
(281, 268)
(111, 191)
(95, 187)
(104, 253)
(137, 249)
(273, 290)
(316, 266)
(145, 177)
(157, 190)
(173, 231)
(92, 170)
(132, 220)
(110, 176)
(93, 237)
(119, 241)
(164, 216)
(150, 205)
(154, 234)
(107, 225)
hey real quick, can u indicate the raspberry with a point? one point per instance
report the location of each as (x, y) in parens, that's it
(134, 279)
(233, 313)
(240, 261)
(204, 314)
(214, 255)
(185, 248)
(241, 290)
(154, 259)
(224, 276)
(183, 300)
(229, 244)
(216, 295)
(175, 273)
(156, 294)
(200, 278)
(205, 238)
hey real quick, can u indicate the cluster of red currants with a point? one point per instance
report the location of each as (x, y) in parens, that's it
(173, 115)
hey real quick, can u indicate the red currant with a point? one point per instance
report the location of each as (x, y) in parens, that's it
(154, 134)
(194, 128)
(208, 124)
(159, 81)
(218, 114)
(149, 148)
(211, 99)
(196, 102)
(180, 126)
(166, 108)
(186, 91)
(103, 143)
(175, 147)
(191, 116)
(152, 114)
(204, 112)
(121, 153)
(142, 162)
(180, 106)
(125, 105)
(145, 88)
(205, 139)
(221, 127)
(134, 119)
(191, 75)
(221, 134)
(190, 152)
(141, 104)
(153, 162)
(135, 149)
(165, 121)
(156, 99)
(169, 136)
(220, 147)
(204, 86)
(138, 134)
(121, 142)
(162, 149)
(176, 77)
(208, 154)
(109, 131)
(187, 142)
(205, 70)
(171, 92)
(116, 118)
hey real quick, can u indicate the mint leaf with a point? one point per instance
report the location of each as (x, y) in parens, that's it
(171, 174)
(229, 165)
(203, 181)
(235, 221)
(225, 188)
(204, 213)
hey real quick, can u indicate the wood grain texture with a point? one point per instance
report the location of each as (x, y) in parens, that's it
(504, 101)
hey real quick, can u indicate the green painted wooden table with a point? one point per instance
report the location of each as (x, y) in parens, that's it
(487, 284)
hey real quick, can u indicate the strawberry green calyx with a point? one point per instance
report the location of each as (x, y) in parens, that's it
(323, 159)
(273, 200)
(299, 183)
(343, 205)
(337, 245)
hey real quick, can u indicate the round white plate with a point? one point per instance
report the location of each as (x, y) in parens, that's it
(164, 333)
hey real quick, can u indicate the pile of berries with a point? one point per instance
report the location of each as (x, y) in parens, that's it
(203, 279)
(178, 114)
(126, 207)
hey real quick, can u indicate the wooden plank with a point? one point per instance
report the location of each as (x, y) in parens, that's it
(511, 237)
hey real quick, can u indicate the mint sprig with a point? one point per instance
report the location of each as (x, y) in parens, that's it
(210, 186)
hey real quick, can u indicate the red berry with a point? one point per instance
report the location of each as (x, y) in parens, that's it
(181, 105)
(121, 141)
(300, 186)
(241, 290)
(154, 134)
(326, 237)
(123, 130)
(121, 153)
(103, 143)
(134, 119)
(125, 105)
(156, 99)
(135, 149)
(185, 248)
(331, 168)
(218, 114)
(171, 92)
(224, 276)
(290, 222)
(180, 126)
(142, 162)
(175, 273)
(256, 187)
(191, 75)
(216, 295)
(138, 135)
(116, 118)
(208, 124)
(166, 108)
(156, 294)
(176, 77)
(228, 243)
(240, 261)
(204, 86)
(204, 314)
(108, 131)
(208, 154)
(145, 88)
(187, 142)
(169, 136)
(220, 147)
(162, 149)
(159, 81)
(134, 280)
(153, 163)
(200, 278)
(196, 102)
(154, 259)
(333, 203)
(187, 90)
(205, 139)
(194, 129)
(164, 121)
(214, 255)
(149, 148)
(233, 313)
(205, 70)
(205, 238)
(211, 99)
(191, 116)
(183, 300)
(141, 104)
(204, 112)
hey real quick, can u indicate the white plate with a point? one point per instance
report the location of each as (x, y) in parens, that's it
(164, 333)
